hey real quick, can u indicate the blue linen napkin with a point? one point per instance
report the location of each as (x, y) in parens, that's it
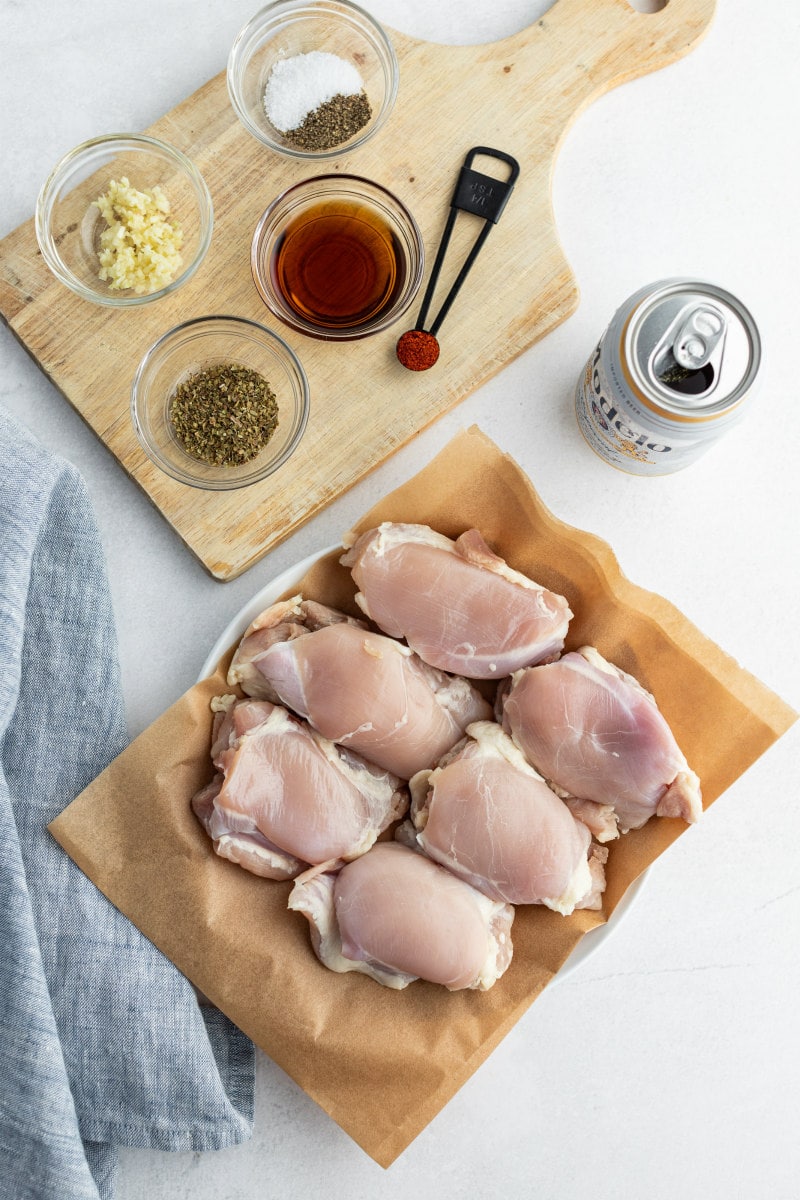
(102, 1041)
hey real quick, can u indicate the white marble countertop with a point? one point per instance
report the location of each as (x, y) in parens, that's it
(666, 1065)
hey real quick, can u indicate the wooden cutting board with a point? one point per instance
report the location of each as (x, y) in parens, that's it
(518, 95)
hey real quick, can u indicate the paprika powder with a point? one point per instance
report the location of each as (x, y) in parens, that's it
(417, 350)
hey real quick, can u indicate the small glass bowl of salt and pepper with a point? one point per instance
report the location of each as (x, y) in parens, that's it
(312, 80)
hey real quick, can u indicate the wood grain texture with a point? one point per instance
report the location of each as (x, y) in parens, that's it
(519, 95)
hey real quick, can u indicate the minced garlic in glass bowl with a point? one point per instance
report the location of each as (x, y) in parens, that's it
(140, 246)
(76, 225)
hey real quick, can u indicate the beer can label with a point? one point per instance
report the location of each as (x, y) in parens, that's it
(616, 435)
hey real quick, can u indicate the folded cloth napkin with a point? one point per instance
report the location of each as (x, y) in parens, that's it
(102, 1041)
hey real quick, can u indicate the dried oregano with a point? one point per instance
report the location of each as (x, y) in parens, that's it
(224, 415)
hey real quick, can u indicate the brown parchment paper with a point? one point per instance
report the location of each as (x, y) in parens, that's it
(383, 1063)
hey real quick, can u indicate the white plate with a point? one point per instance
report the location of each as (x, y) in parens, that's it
(288, 580)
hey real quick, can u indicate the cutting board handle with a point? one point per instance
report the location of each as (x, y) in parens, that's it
(526, 90)
(593, 45)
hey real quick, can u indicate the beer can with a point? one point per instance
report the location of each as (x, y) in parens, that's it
(675, 369)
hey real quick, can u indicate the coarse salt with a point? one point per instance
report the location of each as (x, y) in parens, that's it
(298, 86)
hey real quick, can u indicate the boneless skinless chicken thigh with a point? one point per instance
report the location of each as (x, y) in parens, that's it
(458, 605)
(395, 915)
(486, 815)
(598, 737)
(285, 797)
(360, 689)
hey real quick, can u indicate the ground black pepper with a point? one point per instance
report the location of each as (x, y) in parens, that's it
(224, 414)
(332, 123)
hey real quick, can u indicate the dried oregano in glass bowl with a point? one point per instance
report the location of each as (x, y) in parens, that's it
(219, 402)
(224, 414)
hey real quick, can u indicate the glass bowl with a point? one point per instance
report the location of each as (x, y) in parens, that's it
(337, 257)
(199, 345)
(289, 28)
(69, 224)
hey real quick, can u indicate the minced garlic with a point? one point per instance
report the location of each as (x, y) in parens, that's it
(140, 247)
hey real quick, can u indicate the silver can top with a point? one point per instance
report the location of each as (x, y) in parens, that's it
(692, 349)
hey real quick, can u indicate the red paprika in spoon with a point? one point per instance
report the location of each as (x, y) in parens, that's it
(417, 350)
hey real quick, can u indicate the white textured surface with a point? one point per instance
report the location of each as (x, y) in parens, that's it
(666, 1065)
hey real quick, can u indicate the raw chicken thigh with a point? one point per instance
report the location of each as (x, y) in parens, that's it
(396, 916)
(285, 797)
(458, 605)
(359, 689)
(597, 736)
(487, 816)
(280, 622)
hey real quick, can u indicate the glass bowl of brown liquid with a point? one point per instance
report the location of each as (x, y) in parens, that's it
(337, 257)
